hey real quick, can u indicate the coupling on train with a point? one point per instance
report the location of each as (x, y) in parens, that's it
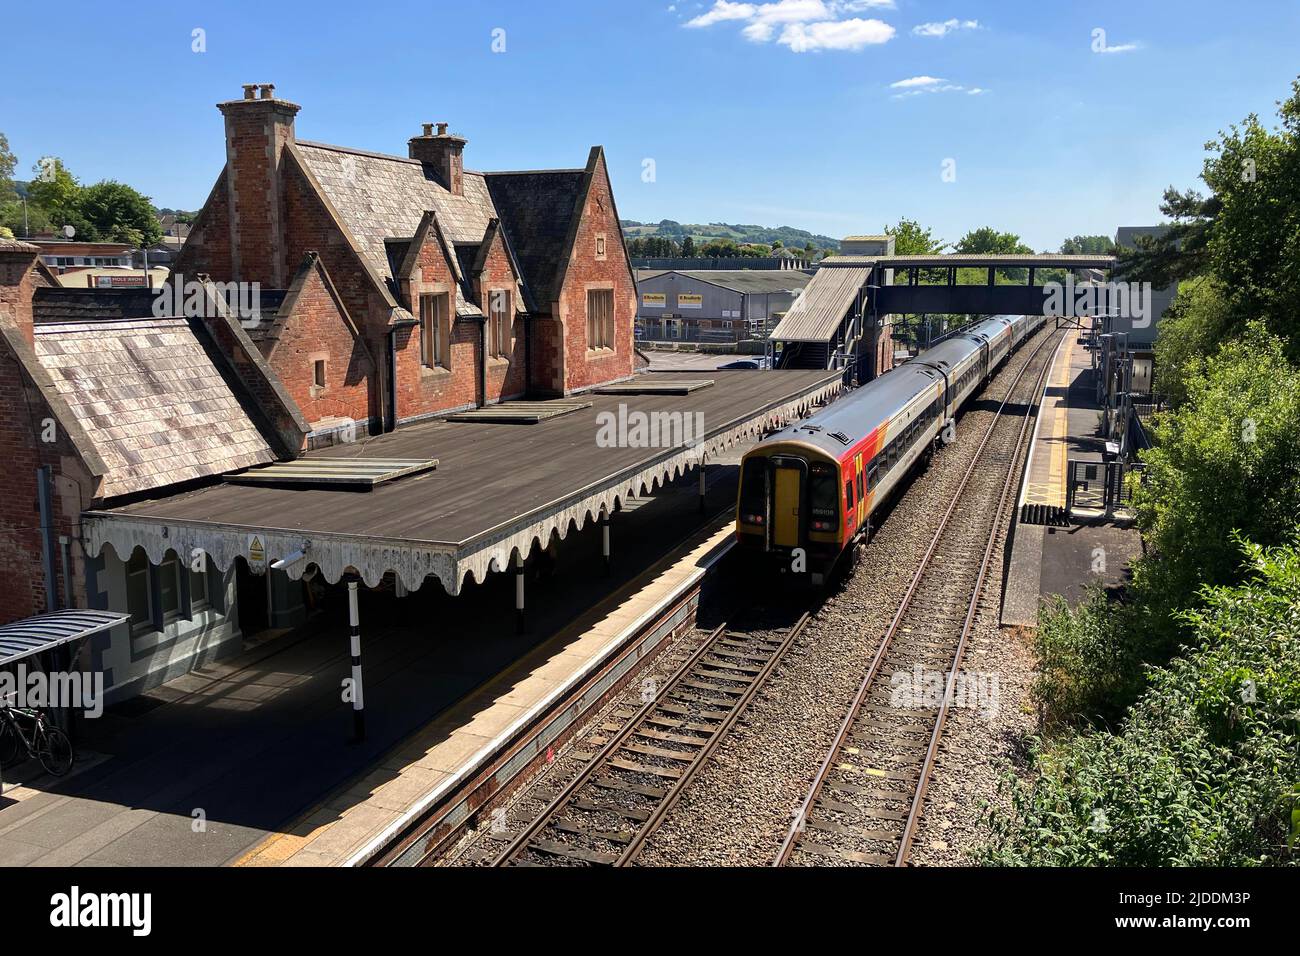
(807, 492)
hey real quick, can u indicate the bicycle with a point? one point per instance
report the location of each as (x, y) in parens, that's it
(45, 743)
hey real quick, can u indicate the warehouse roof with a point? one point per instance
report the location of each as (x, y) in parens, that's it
(749, 281)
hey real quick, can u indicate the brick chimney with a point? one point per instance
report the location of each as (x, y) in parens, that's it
(18, 284)
(258, 126)
(443, 151)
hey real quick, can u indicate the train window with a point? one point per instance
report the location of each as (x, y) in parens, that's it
(873, 474)
(861, 482)
(848, 495)
(753, 491)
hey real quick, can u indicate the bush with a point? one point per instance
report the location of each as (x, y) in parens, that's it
(1088, 668)
(1205, 770)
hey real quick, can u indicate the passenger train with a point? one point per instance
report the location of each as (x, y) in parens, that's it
(814, 486)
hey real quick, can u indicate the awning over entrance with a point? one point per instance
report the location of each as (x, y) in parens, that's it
(35, 634)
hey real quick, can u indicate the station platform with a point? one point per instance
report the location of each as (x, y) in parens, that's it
(1063, 560)
(248, 760)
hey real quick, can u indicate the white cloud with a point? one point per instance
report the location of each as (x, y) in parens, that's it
(851, 34)
(917, 85)
(722, 11)
(943, 28)
(912, 81)
(1121, 48)
(802, 25)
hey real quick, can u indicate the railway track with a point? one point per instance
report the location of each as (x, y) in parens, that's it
(868, 794)
(604, 815)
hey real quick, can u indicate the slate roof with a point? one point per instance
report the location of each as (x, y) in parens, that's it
(62, 304)
(150, 396)
(536, 211)
(382, 197)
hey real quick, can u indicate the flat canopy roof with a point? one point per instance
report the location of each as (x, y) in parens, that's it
(979, 260)
(497, 488)
(32, 635)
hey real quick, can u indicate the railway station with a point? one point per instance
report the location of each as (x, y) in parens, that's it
(563, 572)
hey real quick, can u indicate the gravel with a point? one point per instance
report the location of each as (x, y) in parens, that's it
(740, 806)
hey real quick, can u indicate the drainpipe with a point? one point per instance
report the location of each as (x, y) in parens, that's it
(528, 354)
(65, 553)
(390, 412)
(391, 409)
(47, 536)
(482, 362)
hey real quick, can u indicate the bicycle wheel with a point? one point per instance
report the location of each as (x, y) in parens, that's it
(54, 750)
(9, 744)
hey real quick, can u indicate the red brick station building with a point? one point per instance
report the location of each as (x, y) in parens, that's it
(330, 304)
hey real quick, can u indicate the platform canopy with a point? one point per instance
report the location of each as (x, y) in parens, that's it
(501, 488)
(32, 635)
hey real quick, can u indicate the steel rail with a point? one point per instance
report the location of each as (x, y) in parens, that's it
(708, 745)
(791, 840)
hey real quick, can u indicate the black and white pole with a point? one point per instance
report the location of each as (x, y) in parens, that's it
(604, 538)
(704, 488)
(519, 593)
(358, 693)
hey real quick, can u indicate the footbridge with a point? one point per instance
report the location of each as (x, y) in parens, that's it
(844, 316)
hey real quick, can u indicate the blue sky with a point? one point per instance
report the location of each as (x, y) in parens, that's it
(779, 113)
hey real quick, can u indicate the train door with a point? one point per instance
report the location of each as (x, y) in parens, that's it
(788, 474)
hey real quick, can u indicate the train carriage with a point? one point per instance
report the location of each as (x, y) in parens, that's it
(807, 491)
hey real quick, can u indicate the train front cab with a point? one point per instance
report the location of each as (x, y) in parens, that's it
(788, 506)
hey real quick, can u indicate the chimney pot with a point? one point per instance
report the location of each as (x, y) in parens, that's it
(248, 90)
(268, 91)
(428, 129)
(442, 129)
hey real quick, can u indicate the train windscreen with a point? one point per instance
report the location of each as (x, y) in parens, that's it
(824, 498)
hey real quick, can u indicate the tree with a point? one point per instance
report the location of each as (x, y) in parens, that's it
(911, 239)
(1238, 429)
(720, 249)
(1245, 233)
(688, 248)
(118, 213)
(988, 241)
(8, 163)
(57, 193)
(1085, 245)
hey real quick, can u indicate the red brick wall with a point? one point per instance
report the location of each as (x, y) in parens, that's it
(17, 284)
(256, 134)
(316, 329)
(582, 367)
(23, 416)
(425, 391)
(505, 376)
(207, 248)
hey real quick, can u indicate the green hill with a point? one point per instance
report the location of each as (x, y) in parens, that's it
(790, 237)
